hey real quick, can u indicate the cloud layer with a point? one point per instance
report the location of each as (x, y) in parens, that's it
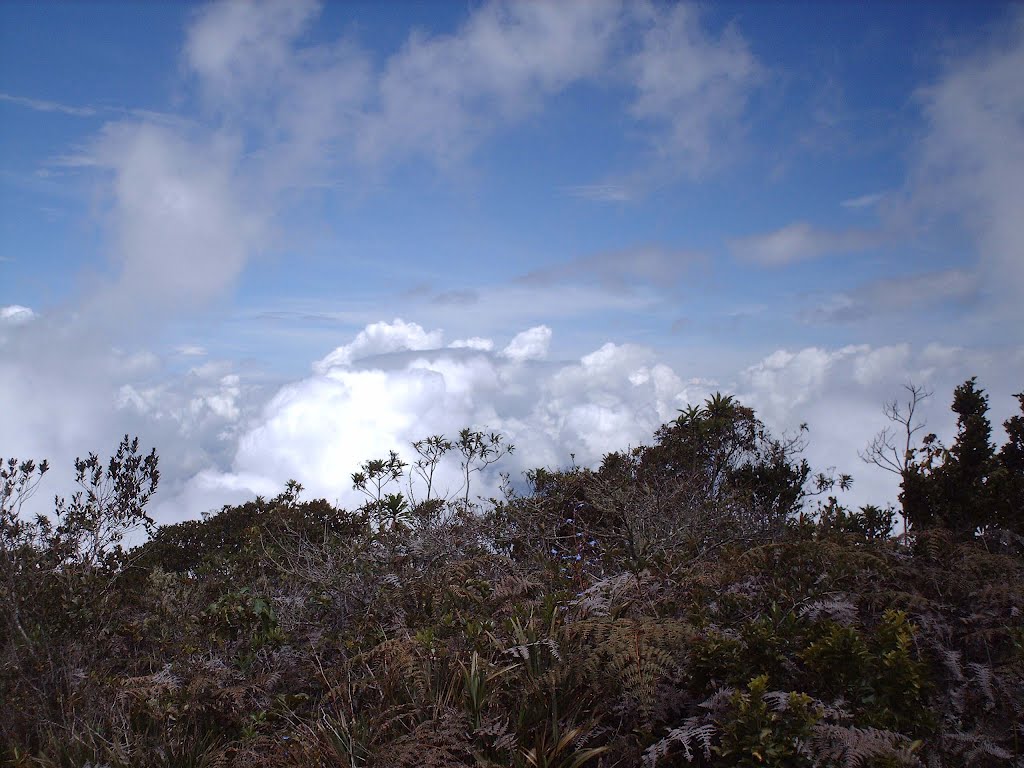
(381, 397)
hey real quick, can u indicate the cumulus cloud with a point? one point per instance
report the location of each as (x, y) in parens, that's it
(475, 342)
(15, 314)
(379, 339)
(224, 436)
(318, 430)
(839, 393)
(531, 344)
(67, 392)
(801, 241)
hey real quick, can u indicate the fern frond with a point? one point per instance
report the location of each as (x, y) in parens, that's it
(838, 609)
(695, 731)
(857, 747)
(982, 675)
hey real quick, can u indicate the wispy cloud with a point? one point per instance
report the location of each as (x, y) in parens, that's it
(442, 95)
(864, 201)
(896, 294)
(972, 152)
(457, 297)
(41, 105)
(801, 241)
(691, 85)
(190, 350)
(620, 270)
(602, 193)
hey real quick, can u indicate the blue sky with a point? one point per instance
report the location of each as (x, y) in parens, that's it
(627, 205)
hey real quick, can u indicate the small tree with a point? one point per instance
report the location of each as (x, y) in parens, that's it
(949, 487)
(49, 563)
(111, 504)
(20, 539)
(430, 450)
(372, 478)
(714, 475)
(1010, 482)
(479, 450)
(892, 449)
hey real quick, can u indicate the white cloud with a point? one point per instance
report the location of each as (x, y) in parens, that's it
(619, 271)
(531, 344)
(864, 201)
(320, 429)
(972, 153)
(603, 193)
(839, 393)
(691, 85)
(236, 47)
(190, 350)
(801, 242)
(474, 342)
(896, 294)
(222, 438)
(190, 203)
(42, 105)
(181, 227)
(379, 339)
(15, 314)
(68, 393)
(614, 397)
(296, 103)
(442, 94)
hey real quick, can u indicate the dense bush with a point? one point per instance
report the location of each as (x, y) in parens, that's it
(692, 602)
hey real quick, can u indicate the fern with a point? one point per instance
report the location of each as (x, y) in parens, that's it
(634, 655)
(838, 609)
(694, 732)
(983, 679)
(973, 746)
(856, 747)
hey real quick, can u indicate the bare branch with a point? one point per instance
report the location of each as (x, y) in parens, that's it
(884, 449)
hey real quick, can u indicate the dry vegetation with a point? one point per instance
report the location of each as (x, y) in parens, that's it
(694, 602)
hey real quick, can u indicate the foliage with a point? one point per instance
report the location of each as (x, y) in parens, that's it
(968, 488)
(687, 602)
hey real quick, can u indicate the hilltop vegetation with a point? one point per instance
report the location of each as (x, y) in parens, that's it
(703, 600)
